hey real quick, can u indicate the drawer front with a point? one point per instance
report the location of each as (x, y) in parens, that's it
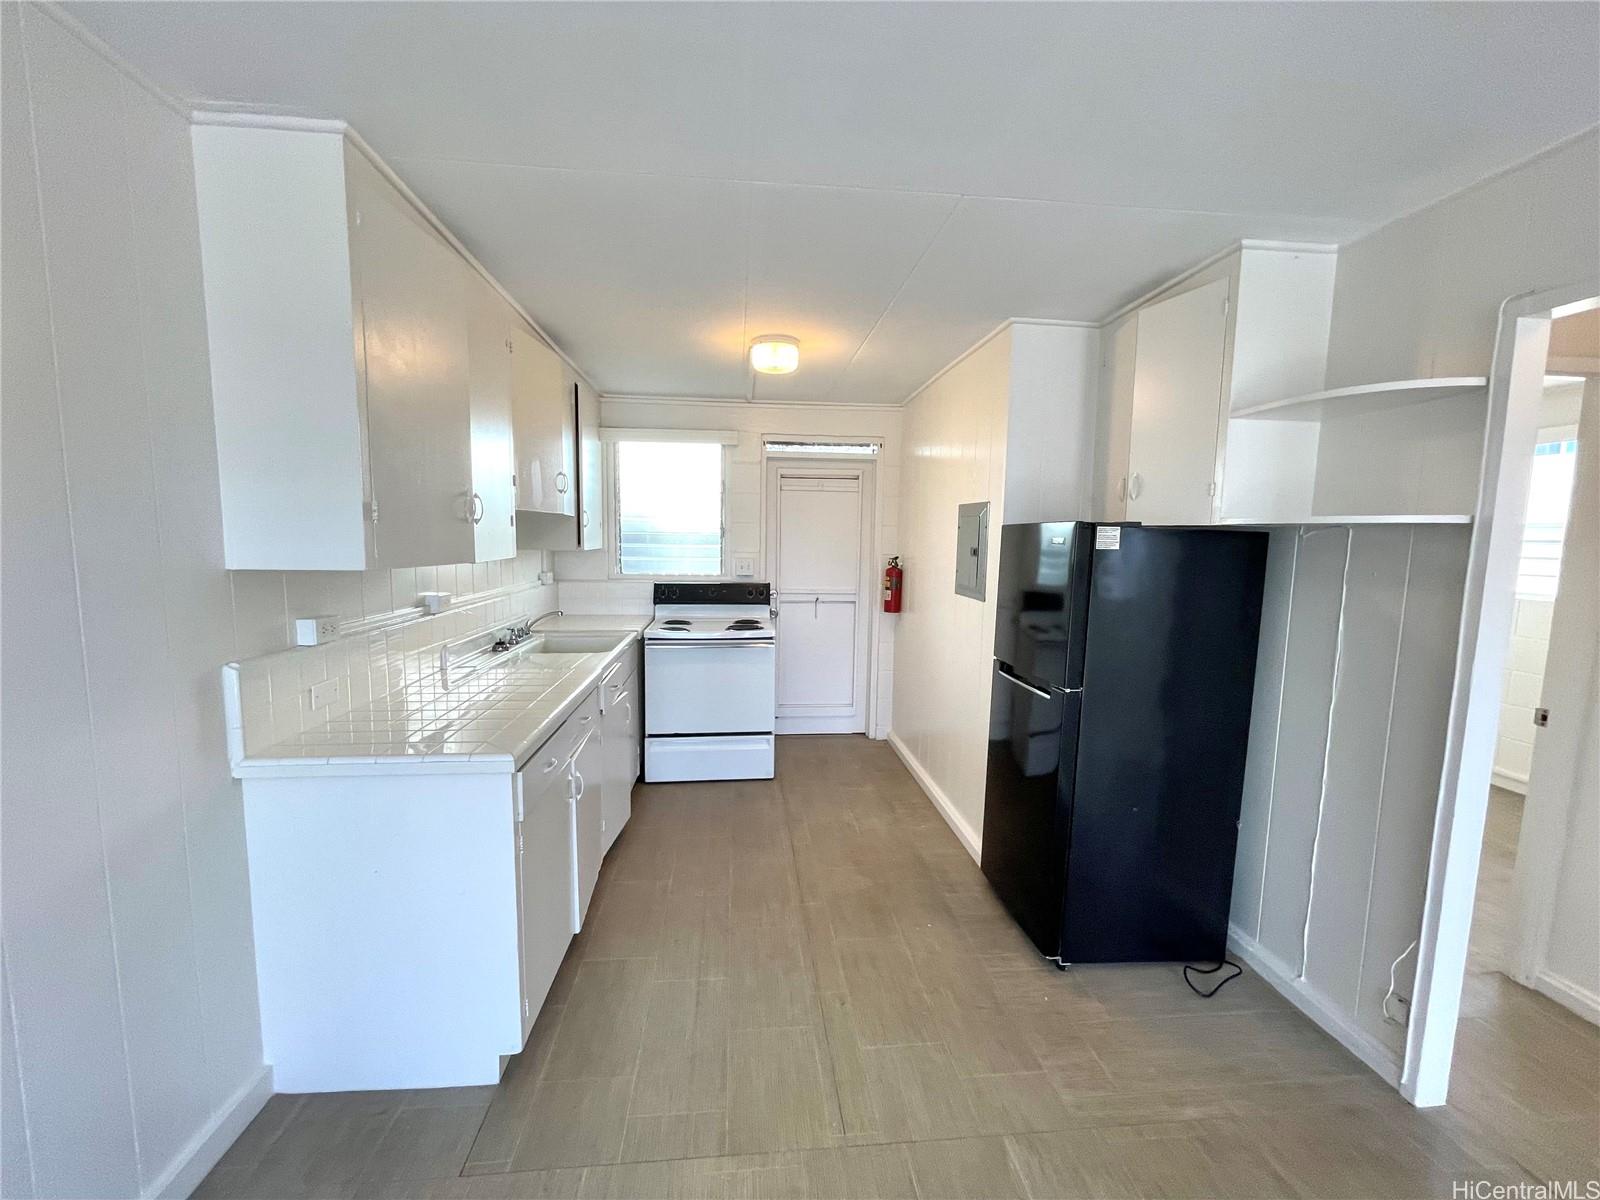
(550, 758)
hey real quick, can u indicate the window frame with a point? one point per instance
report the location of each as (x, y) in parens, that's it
(613, 480)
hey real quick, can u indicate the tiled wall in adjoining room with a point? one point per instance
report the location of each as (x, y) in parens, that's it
(1524, 681)
(371, 662)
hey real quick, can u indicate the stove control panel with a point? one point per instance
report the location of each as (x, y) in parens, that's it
(713, 593)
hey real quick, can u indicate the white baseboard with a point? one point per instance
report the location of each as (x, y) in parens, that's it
(194, 1162)
(1569, 995)
(970, 838)
(1511, 783)
(1338, 1025)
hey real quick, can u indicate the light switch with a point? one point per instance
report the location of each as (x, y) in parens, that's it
(744, 565)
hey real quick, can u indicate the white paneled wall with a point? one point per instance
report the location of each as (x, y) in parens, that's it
(131, 1047)
(585, 576)
(1353, 682)
(955, 443)
(1010, 423)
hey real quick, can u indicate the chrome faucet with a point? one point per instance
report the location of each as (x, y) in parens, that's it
(513, 635)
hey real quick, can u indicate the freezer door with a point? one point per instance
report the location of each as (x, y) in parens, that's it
(1040, 600)
(1027, 802)
(1168, 682)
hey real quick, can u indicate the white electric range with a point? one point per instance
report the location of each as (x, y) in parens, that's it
(710, 682)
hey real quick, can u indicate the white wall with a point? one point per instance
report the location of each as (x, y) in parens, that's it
(130, 1046)
(584, 576)
(955, 445)
(1010, 423)
(1421, 296)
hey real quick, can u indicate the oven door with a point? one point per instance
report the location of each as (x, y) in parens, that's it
(709, 687)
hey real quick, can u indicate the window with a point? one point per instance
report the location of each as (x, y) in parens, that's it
(822, 449)
(669, 508)
(1545, 528)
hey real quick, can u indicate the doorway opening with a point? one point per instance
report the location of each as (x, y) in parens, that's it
(1495, 944)
(819, 558)
(1512, 909)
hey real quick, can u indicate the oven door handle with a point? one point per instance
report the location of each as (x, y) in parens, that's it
(708, 643)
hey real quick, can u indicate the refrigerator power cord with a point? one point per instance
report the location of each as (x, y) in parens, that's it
(1237, 971)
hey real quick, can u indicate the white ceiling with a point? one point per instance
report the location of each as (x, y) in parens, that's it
(659, 182)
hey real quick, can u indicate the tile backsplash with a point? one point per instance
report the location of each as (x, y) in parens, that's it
(385, 642)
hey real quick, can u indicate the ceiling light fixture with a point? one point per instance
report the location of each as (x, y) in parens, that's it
(774, 354)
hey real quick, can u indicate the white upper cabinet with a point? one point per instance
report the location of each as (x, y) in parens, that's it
(546, 429)
(591, 522)
(1177, 396)
(1249, 328)
(558, 446)
(413, 293)
(490, 331)
(363, 370)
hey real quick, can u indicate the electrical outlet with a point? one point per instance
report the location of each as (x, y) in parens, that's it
(744, 566)
(315, 631)
(325, 693)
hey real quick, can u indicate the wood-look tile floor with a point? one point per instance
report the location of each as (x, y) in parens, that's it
(805, 988)
(1526, 1071)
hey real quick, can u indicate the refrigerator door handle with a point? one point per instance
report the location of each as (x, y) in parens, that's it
(1027, 687)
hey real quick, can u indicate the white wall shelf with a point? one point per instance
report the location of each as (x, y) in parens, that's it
(1369, 519)
(1364, 398)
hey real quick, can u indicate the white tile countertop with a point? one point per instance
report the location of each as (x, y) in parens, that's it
(487, 723)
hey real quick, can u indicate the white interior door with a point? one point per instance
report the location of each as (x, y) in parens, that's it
(818, 554)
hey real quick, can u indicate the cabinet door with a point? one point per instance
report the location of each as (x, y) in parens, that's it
(546, 432)
(413, 291)
(591, 492)
(1177, 406)
(621, 759)
(1116, 383)
(544, 882)
(588, 789)
(494, 501)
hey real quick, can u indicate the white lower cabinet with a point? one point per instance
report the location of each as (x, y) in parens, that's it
(408, 927)
(546, 883)
(588, 779)
(619, 696)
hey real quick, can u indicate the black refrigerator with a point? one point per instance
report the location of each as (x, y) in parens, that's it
(1124, 664)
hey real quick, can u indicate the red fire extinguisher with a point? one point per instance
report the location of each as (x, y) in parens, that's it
(893, 578)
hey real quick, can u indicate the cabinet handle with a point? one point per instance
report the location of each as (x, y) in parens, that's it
(1135, 485)
(561, 483)
(477, 508)
(585, 720)
(578, 779)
